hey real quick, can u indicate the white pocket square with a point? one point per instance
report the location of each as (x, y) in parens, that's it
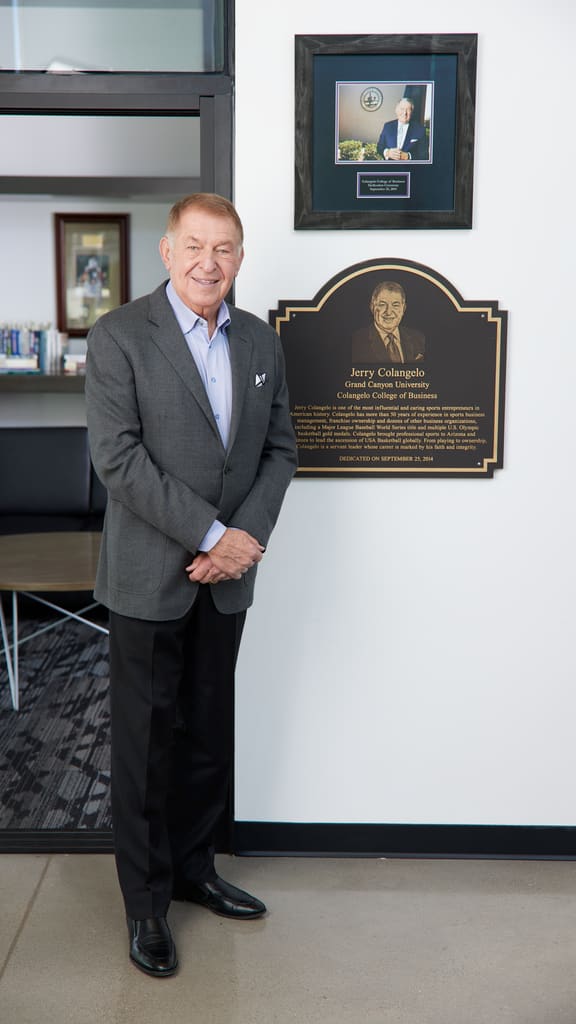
(260, 380)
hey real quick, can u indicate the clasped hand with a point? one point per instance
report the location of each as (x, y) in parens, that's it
(235, 553)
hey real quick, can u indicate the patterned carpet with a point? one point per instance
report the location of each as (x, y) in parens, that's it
(54, 752)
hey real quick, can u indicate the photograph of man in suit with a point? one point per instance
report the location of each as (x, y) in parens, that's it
(384, 340)
(404, 138)
(190, 433)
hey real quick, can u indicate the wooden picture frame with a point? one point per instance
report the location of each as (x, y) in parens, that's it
(92, 268)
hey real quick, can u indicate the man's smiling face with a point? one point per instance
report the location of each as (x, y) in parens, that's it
(387, 309)
(404, 111)
(203, 256)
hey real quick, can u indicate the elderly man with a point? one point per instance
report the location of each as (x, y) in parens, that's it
(385, 341)
(190, 432)
(405, 138)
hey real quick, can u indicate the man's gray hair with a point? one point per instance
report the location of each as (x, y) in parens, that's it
(390, 286)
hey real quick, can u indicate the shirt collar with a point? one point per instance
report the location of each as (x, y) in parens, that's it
(187, 318)
(386, 334)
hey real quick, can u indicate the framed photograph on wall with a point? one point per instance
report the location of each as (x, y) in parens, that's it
(384, 131)
(92, 272)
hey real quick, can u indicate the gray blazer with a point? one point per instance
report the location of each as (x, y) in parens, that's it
(156, 447)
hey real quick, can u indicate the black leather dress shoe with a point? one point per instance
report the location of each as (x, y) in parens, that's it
(220, 897)
(152, 947)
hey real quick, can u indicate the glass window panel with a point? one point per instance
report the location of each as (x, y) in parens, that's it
(51, 145)
(102, 35)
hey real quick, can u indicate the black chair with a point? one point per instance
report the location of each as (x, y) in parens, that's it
(47, 481)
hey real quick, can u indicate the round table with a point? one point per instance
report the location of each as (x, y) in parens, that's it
(44, 562)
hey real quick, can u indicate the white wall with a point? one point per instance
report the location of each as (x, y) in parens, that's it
(28, 283)
(430, 680)
(27, 241)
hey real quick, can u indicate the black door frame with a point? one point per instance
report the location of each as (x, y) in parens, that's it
(207, 96)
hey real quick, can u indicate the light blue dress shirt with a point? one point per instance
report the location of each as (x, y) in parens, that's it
(212, 358)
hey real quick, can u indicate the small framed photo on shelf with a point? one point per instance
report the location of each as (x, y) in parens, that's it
(384, 134)
(92, 269)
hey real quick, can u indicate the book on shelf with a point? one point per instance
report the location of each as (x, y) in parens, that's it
(74, 362)
(19, 364)
(25, 348)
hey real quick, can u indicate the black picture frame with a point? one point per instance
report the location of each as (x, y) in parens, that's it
(435, 72)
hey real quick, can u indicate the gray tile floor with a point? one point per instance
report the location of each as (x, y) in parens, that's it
(345, 942)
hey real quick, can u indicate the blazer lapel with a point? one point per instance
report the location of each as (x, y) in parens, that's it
(168, 337)
(240, 358)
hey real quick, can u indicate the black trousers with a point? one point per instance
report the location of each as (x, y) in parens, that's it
(172, 731)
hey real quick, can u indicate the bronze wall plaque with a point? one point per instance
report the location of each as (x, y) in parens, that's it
(391, 372)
